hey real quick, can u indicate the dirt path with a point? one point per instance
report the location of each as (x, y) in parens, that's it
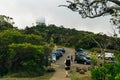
(59, 66)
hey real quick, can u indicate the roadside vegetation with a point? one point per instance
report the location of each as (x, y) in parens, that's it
(46, 76)
(80, 74)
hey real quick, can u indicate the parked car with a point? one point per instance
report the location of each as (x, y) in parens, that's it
(61, 53)
(107, 56)
(53, 58)
(79, 50)
(82, 54)
(83, 60)
(58, 54)
(61, 49)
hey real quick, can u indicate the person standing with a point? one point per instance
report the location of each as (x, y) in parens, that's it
(72, 60)
(67, 65)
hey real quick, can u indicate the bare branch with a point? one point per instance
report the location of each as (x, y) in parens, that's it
(115, 1)
(62, 6)
(102, 13)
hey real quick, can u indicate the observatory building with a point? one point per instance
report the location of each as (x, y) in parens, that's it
(40, 21)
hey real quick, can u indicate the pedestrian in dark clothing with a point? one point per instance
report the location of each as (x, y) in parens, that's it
(67, 65)
(72, 59)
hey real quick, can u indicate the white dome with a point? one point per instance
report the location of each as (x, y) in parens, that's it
(40, 20)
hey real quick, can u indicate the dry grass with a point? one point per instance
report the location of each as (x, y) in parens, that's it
(45, 77)
(77, 76)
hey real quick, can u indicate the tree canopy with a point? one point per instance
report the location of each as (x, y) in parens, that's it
(96, 8)
(6, 22)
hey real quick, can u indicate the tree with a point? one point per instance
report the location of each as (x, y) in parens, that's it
(96, 8)
(27, 57)
(6, 22)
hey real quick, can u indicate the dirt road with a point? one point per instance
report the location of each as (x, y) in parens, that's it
(59, 66)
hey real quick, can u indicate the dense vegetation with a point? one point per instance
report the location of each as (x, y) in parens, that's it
(28, 50)
(73, 38)
(22, 53)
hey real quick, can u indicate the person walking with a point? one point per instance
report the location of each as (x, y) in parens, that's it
(67, 65)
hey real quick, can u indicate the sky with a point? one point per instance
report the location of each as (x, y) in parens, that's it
(26, 12)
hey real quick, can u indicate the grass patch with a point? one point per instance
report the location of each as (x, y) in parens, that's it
(47, 76)
(77, 76)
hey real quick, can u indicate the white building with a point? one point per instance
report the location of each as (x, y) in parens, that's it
(40, 21)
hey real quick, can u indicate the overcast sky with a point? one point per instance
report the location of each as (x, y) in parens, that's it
(25, 12)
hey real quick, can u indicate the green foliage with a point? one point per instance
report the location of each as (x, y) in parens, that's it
(94, 60)
(108, 71)
(6, 22)
(34, 39)
(22, 56)
(72, 38)
(52, 45)
(9, 36)
(27, 57)
(117, 77)
(6, 38)
(98, 73)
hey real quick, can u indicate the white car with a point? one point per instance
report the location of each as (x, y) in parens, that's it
(107, 55)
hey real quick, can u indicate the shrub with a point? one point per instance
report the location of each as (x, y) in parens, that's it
(98, 50)
(82, 71)
(98, 73)
(78, 69)
(117, 77)
(50, 70)
(85, 69)
(28, 58)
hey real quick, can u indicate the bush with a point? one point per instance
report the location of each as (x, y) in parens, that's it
(50, 70)
(28, 58)
(94, 60)
(98, 50)
(82, 71)
(117, 77)
(98, 73)
(85, 69)
(78, 69)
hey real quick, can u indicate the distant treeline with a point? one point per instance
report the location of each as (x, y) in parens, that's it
(74, 38)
